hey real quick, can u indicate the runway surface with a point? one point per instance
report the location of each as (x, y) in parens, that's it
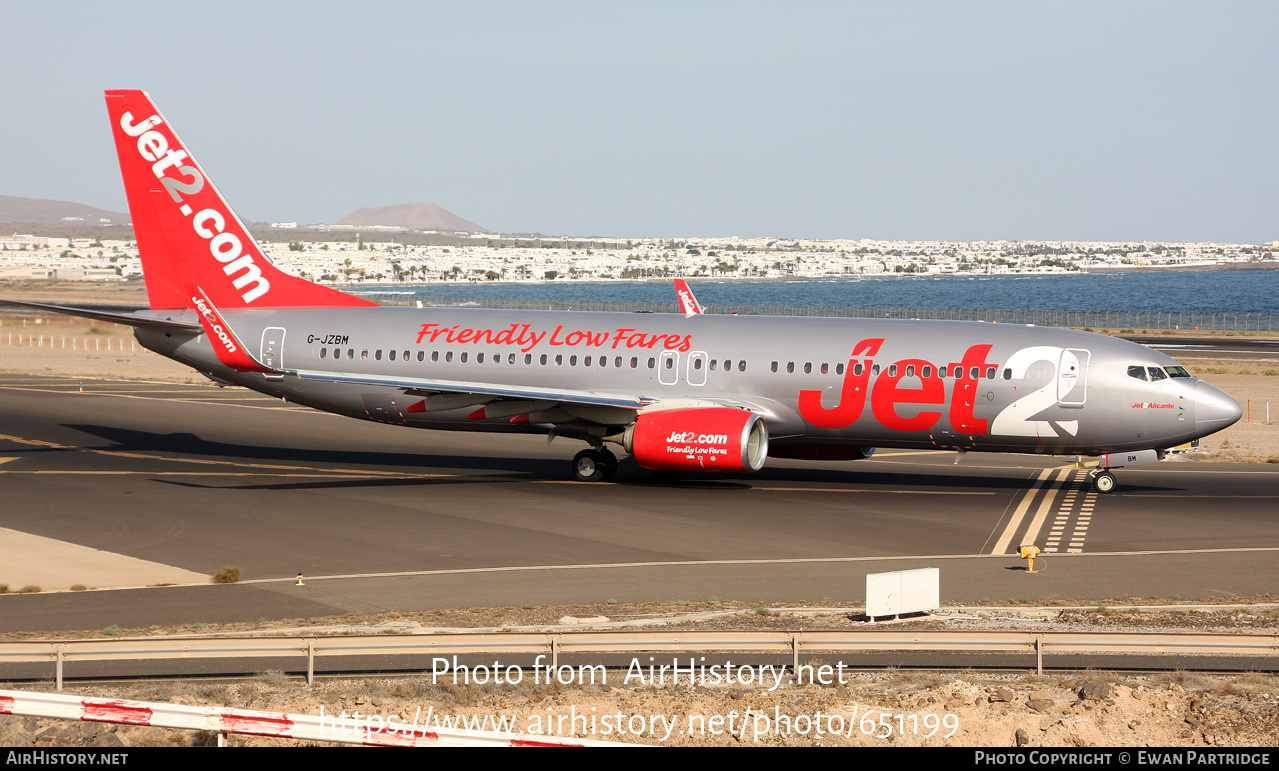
(186, 479)
(1218, 347)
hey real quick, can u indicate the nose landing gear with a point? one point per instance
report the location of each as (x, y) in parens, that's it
(1102, 480)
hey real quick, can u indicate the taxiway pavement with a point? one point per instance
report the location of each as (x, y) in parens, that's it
(188, 479)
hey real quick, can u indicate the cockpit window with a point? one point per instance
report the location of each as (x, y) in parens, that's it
(1137, 372)
(1157, 373)
(1177, 372)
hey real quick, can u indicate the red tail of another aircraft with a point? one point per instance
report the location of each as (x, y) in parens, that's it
(186, 232)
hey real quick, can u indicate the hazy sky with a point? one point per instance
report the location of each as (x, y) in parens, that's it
(911, 120)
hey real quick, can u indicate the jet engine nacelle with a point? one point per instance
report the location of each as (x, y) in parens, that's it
(702, 439)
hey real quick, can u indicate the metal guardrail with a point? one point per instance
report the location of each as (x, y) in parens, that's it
(552, 644)
(1114, 320)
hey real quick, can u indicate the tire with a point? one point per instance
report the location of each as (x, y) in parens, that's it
(590, 466)
(1104, 482)
(610, 465)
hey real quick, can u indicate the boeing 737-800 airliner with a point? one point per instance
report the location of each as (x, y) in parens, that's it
(688, 393)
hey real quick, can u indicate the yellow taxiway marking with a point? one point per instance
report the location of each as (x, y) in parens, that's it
(222, 403)
(862, 490)
(6, 460)
(144, 456)
(1014, 523)
(713, 563)
(317, 474)
(1041, 514)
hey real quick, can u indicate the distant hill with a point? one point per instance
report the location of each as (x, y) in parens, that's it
(17, 209)
(416, 216)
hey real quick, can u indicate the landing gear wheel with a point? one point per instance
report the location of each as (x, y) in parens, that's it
(594, 466)
(1103, 482)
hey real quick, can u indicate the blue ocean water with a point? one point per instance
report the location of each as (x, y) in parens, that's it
(1226, 291)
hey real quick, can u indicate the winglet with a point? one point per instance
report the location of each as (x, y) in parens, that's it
(226, 345)
(688, 304)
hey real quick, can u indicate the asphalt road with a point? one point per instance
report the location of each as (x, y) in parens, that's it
(384, 518)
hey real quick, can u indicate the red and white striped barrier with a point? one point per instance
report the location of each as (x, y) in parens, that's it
(279, 724)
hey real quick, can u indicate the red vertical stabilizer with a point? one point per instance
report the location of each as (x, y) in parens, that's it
(186, 232)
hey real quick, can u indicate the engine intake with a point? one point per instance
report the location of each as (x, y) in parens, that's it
(702, 439)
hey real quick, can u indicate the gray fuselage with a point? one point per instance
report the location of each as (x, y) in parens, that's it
(818, 382)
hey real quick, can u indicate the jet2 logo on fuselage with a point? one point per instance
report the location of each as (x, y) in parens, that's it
(887, 393)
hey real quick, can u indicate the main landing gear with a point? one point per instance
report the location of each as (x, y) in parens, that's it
(594, 466)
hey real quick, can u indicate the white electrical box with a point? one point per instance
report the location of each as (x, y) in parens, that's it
(903, 591)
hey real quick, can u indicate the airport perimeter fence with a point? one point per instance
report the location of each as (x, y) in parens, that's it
(1111, 320)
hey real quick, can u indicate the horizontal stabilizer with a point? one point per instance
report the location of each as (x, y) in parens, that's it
(114, 317)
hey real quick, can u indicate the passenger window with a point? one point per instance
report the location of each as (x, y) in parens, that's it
(857, 368)
(790, 366)
(543, 359)
(652, 362)
(559, 359)
(435, 355)
(479, 358)
(324, 352)
(572, 361)
(463, 357)
(448, 356)
(378, 354)
(774, 367)
(617, 362)
(421, 355)
(634, 362)
(1008, 374)
(910, 370)
(586, 362)
(741, 366)
(364, 354)
(892, 370)
(714, 364)
(697, 364)
(392, 355)
(926, 372)
(808, 368)
(510, 358)
(990, 373)
(839, 369)
(975, 373)
(874, 369)
(825, 368)
(670, 362)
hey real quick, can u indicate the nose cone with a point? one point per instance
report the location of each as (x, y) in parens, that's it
(1214, 410)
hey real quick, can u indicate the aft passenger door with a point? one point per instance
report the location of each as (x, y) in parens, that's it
(271, 353)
